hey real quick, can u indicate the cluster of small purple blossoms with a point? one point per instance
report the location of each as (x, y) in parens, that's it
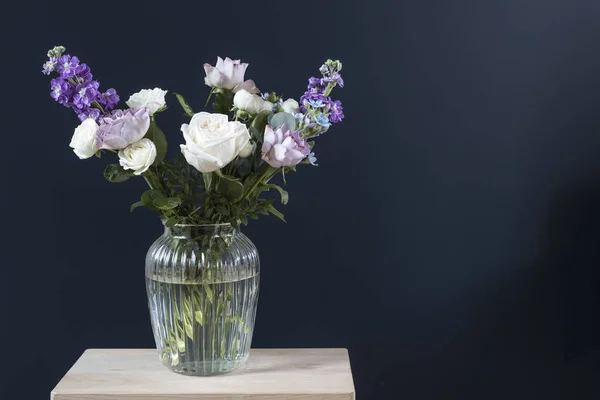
(75, 87)
(318, 110)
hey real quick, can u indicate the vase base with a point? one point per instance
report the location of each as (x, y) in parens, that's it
(207, 368)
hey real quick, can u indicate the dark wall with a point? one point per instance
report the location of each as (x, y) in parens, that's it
(448, 238)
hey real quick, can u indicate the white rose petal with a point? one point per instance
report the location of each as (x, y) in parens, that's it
(212, 141)
(83, 141)
(138, 156)
(290, 106)
(153, 99)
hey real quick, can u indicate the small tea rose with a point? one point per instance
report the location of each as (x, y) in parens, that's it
(138, 156)
(247, 150)
(251, 103)
(152, 99)
(83, 141)
(229, 74)
(212, 141)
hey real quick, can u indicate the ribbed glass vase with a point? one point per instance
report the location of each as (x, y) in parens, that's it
(202, 284)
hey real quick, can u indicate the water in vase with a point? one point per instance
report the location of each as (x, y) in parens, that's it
(203, 329)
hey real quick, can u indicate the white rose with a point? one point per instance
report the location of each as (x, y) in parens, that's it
(251, 103)
(290, 106)
(83, 141)
(153, 99)
(212, 141)
(138, 156)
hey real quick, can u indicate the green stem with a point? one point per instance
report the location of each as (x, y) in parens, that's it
(328, 89)
(269, 172)
(148, 182)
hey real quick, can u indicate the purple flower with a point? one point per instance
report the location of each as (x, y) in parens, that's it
(283, 147)
(312, 159)
(336, 78)
(109, 99)
(336, 113)
(83, 73)
(60, 90)
(50, 65)
(314, 83)
(91, 112)
(309, 98)
(121, 128)
(86, 94)
(67, 65)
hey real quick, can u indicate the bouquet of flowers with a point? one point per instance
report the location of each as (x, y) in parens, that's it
(228, 158)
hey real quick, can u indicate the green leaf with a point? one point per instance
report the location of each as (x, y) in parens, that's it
(284, 194)
(185, 105)
(136, 205)
(229, 186)
(198, 315)
(241, 322)
(283, 118)
(149, 197)
(243, 166)
(115, 173)
(166, 203)
(223, 102)
(258, 124)
(160, 141)
(275, 212)
(209, 293)
(171, 222)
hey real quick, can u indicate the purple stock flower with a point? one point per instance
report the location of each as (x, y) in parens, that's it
(86, 94)
(314, 83)
(121, 128)
(91, 112)
(283, 147)
(83, 73)
(67, 65)
(336, 113)
(109, 99)
(336, 78)
(60, 90)
(50, 65)
(312, 99)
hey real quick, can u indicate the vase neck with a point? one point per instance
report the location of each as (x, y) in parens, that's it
(195, 231)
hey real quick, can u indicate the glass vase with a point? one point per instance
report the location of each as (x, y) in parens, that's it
(202, 285)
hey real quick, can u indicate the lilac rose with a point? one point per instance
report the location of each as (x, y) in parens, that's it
(121, 128)
(229, 74)
(283, 147)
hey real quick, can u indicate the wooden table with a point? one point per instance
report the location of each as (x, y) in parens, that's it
(269, 374)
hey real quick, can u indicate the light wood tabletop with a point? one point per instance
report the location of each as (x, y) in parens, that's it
(269, 374)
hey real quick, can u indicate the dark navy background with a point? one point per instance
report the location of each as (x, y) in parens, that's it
(448, 238)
